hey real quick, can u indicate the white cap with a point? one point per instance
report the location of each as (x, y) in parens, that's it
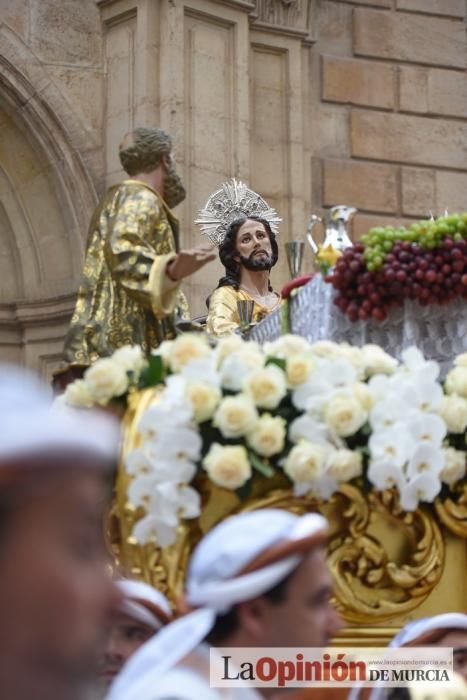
(31, 426)
(241, 558)
(144, 603)
(419, 628)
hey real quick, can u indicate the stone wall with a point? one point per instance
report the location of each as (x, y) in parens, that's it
(312, 102)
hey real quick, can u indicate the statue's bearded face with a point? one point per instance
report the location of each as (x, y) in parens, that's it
(174, 191)
(254, 246)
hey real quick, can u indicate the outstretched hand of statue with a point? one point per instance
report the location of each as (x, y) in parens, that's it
(191, 260)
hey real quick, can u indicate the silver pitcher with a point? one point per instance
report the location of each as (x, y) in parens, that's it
(336, 233)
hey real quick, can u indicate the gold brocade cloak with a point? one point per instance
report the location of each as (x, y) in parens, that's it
(223, 315)
(125, 296)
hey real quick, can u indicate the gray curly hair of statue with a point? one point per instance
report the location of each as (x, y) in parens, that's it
(145, 152)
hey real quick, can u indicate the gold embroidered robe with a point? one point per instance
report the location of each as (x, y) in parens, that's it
(223, 315)
(125, 296)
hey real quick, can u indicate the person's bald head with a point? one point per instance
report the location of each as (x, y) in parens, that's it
(143, 149)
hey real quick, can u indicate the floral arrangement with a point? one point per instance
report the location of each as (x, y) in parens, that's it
(323, 414)
(426, 262)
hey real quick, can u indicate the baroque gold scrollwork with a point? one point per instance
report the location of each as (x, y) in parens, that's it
(452, 511)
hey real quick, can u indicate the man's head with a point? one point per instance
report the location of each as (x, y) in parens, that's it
(445, 630)
(56, 595)
(142, 613)
(248, 242)
(145, 150)
(280, 558)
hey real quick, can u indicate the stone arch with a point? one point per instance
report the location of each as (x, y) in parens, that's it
(46, 197)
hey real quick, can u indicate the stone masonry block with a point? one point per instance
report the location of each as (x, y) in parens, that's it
(358, 82)
(451, 8)
(407, 37)
(370, 186)
(409, 139)
(418, 192)
(433, 91)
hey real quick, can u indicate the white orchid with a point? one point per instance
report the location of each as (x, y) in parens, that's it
(321, 488)
(305, 427)
(425, 459)
(202, 369)
(424, 487)
(425, 427)
(417, 367)
(385, 474)
(393, 445)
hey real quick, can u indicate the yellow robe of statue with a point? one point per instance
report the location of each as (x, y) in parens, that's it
(125, 297)
(223, 315)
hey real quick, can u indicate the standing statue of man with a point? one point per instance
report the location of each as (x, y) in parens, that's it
(130, 289)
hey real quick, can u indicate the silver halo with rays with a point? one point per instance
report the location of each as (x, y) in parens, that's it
(232, 200)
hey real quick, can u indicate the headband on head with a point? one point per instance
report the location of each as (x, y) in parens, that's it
(230, 202)
(229, 566)
(144, 603)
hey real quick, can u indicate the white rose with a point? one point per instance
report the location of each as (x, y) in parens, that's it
(131, 358)
(286, 346)
(267, 387)
(454, 466)
(239, 364)
(235, 416)
(377, 361)
(354, 356)
(226, 346)
(204, 398)
(344, 465)
(456, 381)
(305, 462)
(298, 369)
(344, 415)
(77, 394)
(363, 394)
(268, 436)
(325, 348)
(185, 348)
(164, 350)
(106, 379)
(227, 466)
(453, 410)
(461, 360)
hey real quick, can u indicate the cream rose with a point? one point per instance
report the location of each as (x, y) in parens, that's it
(227, 466)
(185, 348)
(344, 415)
(456, 381)
(267, 387)
(106, 379)
(268, 436)
(298, 369)
(454, 466)
(131, 358)
(461, 360)
(344, 465)
(305, 462)
(235, 416)
(204, 398)
(325, 348)
(453, 410)
(354, 356)
(377, 361)
(363, 394)
(78, 394)
(286, 346)
(226, 346)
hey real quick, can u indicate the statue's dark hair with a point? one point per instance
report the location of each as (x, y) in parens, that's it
(145, 153)
(228, 251)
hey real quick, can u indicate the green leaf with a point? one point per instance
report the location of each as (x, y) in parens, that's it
(260, 466)
(278, 361)
(244, 491)
(154, 373)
